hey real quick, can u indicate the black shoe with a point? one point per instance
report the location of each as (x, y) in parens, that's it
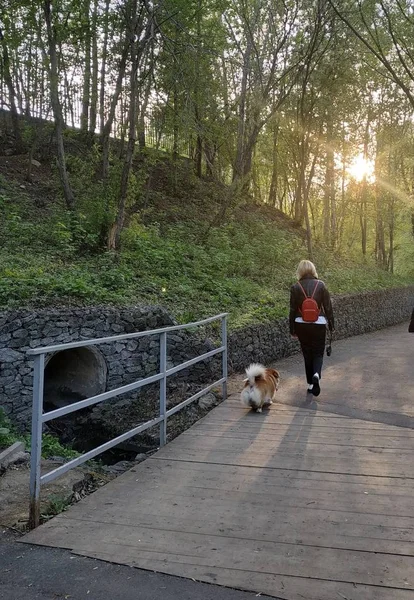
(310, 388)
(316, 390)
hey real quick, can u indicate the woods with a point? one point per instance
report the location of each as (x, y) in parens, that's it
(303, 106)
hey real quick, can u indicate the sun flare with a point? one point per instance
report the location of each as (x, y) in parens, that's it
(361, 168)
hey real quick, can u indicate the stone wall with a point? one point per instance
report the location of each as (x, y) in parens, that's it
(354, 314)
(75, 374)
(72, 375)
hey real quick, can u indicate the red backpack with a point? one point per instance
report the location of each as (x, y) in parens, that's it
(310, 309)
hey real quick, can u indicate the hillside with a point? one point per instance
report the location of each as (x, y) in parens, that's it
(175, 251)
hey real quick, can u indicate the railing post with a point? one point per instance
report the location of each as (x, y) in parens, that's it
(36, 449)
(224, 355)
(163, 388)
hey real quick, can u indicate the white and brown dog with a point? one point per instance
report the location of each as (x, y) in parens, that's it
(260, 387)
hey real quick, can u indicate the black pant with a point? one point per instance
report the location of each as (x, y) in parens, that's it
(312, 342)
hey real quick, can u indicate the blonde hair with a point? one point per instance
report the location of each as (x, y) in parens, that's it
(306, 268)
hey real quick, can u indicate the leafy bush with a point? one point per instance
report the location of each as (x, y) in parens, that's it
(52, 447)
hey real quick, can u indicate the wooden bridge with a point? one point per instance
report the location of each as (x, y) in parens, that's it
(305, 501)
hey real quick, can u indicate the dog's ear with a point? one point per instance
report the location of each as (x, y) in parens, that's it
(274, 373)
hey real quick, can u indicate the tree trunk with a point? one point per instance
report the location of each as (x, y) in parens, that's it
(95, 70)
(12, 95)
(143, 109)
(103, 70)
(175, 122)
(391, 239)
(307, 223)
(109, 122)
(137, 50)
(364, 190)
(329, 185)
(299, 212)
(56, 106)
(198, 158)
(87, 74)
(210, 152)
(238, 169)
(116, 229)
(130, 17)
(29, 68)
(272, 200)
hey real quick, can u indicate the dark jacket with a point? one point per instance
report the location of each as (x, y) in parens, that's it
(321, 296)
(411, 325)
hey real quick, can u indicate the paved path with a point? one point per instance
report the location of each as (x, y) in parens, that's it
(298, 502)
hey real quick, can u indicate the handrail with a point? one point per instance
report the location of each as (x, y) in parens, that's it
(39, 418)
(124, 336)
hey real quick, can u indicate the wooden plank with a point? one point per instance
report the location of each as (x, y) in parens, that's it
(314, 528)
(383, 468)
(313, 512)
(385, 570)
(347, 513)
(266, 419)
(233, 404)
(330, 439)
(258, 446)
(282, 586)
(267, 429)
(342, 509)
(157, 472)
(291, 504)
(250, 424)
(225, 500)
(223, 490)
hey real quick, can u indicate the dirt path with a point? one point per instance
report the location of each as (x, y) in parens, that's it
(14, 492)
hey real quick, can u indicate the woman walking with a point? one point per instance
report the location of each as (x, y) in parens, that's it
(310, 312)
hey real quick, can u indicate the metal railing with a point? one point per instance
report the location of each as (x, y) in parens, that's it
(39, 417)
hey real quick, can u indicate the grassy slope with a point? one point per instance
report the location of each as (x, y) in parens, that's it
(245, 266)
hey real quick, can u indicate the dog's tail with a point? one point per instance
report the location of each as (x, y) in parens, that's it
(254, 372)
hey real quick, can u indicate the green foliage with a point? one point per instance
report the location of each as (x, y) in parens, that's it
(55, 506)
(7, 437)
(50, 444)
(245, 266)
(52, 447)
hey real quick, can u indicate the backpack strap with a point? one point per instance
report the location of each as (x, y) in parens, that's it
(301, 287)
(317, 283)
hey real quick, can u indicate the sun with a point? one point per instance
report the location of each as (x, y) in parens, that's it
(361, 168)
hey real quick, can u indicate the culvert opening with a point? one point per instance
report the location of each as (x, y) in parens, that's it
(70, 376)
(73, 375)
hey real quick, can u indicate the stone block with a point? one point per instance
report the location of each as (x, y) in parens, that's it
(132, 345)
(11, 326)
(8, 355)
(8, 455)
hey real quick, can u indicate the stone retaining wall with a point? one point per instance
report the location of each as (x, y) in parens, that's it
(354, 314)
(92, 370)
(112, 365)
